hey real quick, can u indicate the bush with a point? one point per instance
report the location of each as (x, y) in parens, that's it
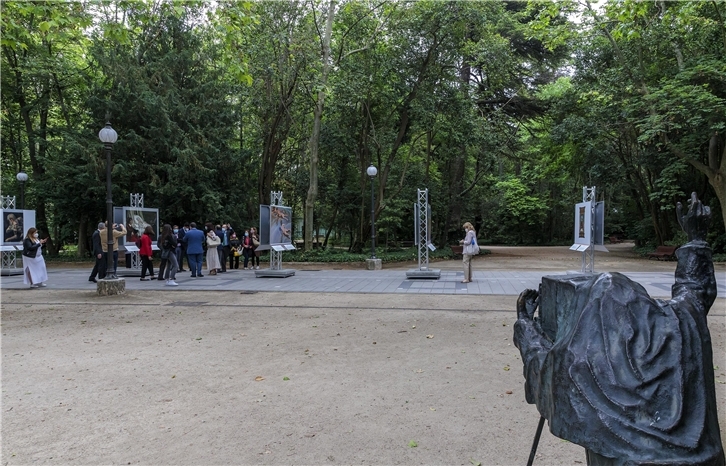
(338, 255)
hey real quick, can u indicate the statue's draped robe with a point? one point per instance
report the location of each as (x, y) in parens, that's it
(631, 378)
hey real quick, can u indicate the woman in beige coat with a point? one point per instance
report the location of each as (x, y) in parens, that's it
(212, 256)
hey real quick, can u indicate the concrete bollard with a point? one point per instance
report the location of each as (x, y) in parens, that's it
(110, 287)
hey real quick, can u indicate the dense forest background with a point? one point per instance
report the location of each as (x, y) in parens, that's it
(503, 110)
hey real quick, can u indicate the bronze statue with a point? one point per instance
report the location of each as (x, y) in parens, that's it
(626, 376)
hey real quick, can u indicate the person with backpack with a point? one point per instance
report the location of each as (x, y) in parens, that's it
(471, 248)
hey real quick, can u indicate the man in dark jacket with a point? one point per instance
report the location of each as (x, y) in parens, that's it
(181, 249)
(99, 268)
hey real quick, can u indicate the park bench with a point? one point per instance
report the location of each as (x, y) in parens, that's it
(664, 252)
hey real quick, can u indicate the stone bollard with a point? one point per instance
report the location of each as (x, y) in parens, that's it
(111, 286)
(374, 264)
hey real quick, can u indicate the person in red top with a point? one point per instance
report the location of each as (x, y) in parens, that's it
(145, 253)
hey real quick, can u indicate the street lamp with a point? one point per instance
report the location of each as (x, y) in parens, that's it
(22, 177)
(108, 137)
(372, 172)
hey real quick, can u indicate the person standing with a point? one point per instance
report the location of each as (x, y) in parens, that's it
(116, 235)
(221, 232)
(145, 252)
(194, 245)
(255, 243)
(247, 250)
(34, 271)
(99, 268)
(181, 250)
(226, 247)
(168, 249)
(234, 245)
(213, 242)
(178, 248)
(471, 248)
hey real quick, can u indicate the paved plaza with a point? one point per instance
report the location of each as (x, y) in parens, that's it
(485, 282)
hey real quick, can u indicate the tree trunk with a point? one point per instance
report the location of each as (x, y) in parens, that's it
(315, 137)
(83, 236)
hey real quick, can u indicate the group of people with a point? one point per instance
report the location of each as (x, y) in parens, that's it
(222, 246)
(220, 242)
(99, 241)
(217, 245)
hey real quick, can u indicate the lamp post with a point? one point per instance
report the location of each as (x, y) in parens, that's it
(108, 137)
(22, 177)
(372, 172)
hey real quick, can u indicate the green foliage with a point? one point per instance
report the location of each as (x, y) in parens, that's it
(503, 110)
(339, 255)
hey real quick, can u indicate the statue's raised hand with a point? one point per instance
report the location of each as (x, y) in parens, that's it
(527, 303)
(695, 221)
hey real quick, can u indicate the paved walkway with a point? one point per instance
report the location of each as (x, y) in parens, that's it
(486, 282)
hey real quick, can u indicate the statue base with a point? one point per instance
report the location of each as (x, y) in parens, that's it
(374, 264)
(270, 273)
(110, 286)
(430, 274)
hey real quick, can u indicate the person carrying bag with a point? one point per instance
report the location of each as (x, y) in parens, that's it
(471, 248)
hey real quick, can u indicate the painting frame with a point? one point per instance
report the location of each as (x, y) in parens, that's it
(16, 223)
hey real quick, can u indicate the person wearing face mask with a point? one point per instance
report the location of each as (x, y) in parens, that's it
(223, 248)
(235, 250)
(213, 241)
(255, 242)
(99, 268)
(247, 248)
(34, 271)
(116, 233)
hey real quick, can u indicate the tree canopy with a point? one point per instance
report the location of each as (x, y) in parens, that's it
(504, 110)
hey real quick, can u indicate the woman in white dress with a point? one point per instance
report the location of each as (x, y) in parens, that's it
(212, 257)
(34, 271)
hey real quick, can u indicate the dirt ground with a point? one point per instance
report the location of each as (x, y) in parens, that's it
(281, 378)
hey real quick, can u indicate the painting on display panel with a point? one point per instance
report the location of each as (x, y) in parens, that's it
(136, 220)
(15, 225)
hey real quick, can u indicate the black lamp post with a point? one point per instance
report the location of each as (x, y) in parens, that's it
(372, 172)
(108, 137)
(22, 177)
